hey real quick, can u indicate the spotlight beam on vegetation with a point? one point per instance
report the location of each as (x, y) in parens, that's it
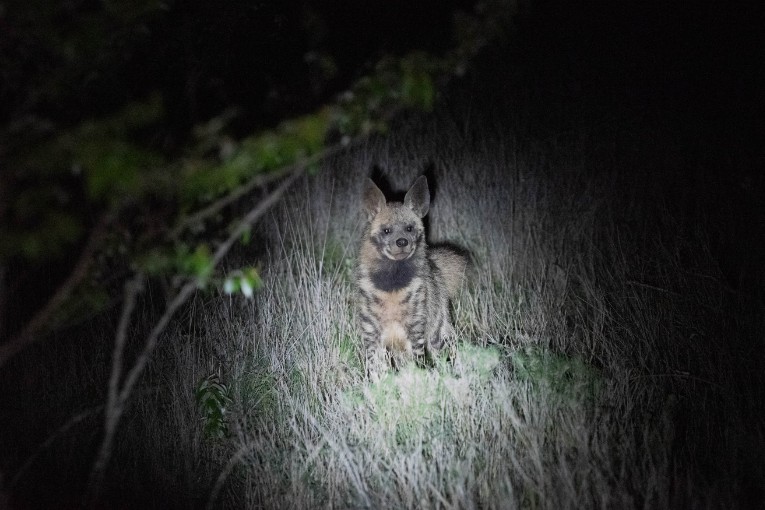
(122, 176)
(119, 394)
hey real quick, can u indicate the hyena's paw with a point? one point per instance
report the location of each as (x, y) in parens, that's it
(377, 364)
(445, 352)
(444, 338)
(453, 358)
(419, 348)
(398, 359)
(438, 343)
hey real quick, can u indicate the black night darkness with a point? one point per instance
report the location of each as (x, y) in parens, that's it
(190, 315)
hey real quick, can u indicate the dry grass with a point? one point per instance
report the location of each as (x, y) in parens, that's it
(590, 354)
(601, 356)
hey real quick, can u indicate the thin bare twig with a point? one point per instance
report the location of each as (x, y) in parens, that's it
(71, 422)
(34, 329)
(635, 283)
(254, 215)
(113, 408)
(233, 461)
(258, 181)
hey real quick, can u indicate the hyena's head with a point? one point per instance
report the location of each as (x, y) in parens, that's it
(396, 229)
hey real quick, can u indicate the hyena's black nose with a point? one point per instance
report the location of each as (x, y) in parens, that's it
(401, 242)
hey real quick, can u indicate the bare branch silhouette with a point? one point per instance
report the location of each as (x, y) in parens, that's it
(35, 329)
(118, 395)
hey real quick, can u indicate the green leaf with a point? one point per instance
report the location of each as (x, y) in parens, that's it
(246, 280)
(113, 168)
(246, 236)
(178, 259)
(231, 285)
(267, 151)
(312, 130)
(313, 168)
(213, 398)
(417, 89)
(157, 261)
(246, 287)
(199, 263)
(252, 276)
(198, 182)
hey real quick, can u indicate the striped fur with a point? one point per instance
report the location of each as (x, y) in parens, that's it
(404, 286)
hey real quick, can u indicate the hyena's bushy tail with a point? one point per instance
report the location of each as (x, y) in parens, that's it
(452, 266)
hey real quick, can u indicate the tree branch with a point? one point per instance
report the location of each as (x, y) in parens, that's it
(118, 396)
(113, 408)
(257, 181)
(71, 422)
(35, 328)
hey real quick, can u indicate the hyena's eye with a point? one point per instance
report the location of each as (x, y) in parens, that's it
(409, 228)
(386, 231)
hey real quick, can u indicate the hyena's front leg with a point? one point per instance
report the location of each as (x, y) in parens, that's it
(418, 327)
(447, 340)
(444, 335)
(375, 361)
(374, 352)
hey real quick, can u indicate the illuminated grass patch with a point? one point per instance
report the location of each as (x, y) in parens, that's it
(415, 396)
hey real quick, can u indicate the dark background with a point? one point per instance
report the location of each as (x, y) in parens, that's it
(691, 73)
(204, 57)
(697, 63)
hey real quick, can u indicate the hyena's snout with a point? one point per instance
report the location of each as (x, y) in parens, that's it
(400, 247)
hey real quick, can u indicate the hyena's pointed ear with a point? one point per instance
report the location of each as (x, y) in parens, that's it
(374, 200)
(418, 197)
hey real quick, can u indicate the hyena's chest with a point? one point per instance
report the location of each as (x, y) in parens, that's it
(394, 311)
(392, 303)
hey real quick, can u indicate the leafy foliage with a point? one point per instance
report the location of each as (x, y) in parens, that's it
(246, 281)
(105, 188)
(213, 398)
(164, 208)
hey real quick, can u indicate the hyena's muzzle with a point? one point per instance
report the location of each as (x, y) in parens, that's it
(399, 244)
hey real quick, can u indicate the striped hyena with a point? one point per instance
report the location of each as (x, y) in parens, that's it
(404, 286)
